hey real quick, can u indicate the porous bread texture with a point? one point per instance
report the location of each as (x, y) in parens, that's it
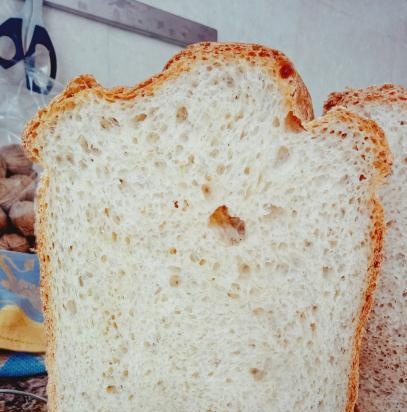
(201, 248)
(383, 369)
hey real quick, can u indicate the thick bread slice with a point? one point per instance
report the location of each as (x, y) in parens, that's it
(203, 247)
(383, 371)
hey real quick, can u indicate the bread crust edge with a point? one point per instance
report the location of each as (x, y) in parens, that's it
(45, 289)
(377, 232)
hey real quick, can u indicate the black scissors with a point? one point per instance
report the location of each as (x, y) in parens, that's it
(27, 32)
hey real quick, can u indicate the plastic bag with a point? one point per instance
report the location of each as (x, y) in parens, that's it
(18, 104)
(20, 325)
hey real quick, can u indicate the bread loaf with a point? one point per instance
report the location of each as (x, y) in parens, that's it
(205, 245)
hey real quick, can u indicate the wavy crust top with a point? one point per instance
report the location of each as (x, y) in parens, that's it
(385, 94)
(275, 63)
(373, 136)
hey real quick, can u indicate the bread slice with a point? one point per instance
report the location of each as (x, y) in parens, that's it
(383, 368)
(204, 246)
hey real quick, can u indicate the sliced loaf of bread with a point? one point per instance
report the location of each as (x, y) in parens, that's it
(383, 370)
(205, 245)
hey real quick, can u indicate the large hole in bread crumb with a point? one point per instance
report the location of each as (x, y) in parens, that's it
(231, 228)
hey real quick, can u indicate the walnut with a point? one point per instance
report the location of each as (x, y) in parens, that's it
(22, 216)
(16, 160)
(29, 192)
(3, 220)
(14, 242)
(3, 167)
(12, 189)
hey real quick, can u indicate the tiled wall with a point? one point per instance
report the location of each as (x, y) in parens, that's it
(334, 43)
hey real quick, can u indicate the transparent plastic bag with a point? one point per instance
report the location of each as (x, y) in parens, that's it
(21, 326)
(18, 104)
(18, 176)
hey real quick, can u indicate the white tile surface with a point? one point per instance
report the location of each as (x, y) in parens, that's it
(334, 43)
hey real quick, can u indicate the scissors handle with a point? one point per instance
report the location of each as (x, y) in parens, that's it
(41, 36)
(12, 28)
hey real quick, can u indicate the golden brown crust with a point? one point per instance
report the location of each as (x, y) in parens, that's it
(377, 238)
(371, 132)
(387, 94)
(41, 205)
(277, 65)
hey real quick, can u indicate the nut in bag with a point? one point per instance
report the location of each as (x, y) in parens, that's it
(18, 175)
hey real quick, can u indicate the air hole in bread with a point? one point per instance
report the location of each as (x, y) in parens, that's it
(175, 281)
(272, 211)
(160, 164)
(216, 266)
(214, 153)
(220, 169)
(244, 269)
(108, 122)
(139, 117)
(69, 157)
(71, 307)
(152, 137)
(111, 389)
(182, 114)
(232, 228)
(282, 156)
(84, 144)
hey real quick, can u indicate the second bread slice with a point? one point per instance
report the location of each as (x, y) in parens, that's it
(384, 356)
